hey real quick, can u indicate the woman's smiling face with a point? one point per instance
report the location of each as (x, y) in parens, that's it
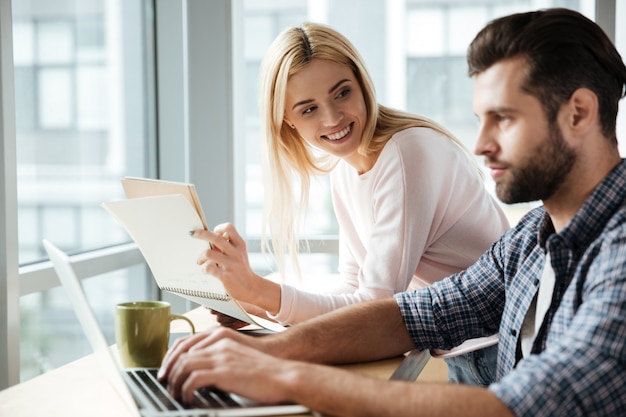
(325, 103)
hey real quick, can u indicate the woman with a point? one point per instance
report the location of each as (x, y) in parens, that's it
(409, 199)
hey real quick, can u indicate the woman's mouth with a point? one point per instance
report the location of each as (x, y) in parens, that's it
(340, 134)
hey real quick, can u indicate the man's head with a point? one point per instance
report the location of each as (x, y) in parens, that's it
(544, 81)
(564, 51)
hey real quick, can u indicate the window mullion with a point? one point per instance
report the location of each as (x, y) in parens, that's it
(9, 279)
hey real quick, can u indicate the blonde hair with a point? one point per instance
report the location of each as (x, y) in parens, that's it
(289, 161)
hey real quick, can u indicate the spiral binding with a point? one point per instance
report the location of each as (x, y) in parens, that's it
(199, 293)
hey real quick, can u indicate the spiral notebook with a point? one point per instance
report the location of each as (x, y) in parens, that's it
(160, 226)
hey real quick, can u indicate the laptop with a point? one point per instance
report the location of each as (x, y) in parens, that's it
(138, 388)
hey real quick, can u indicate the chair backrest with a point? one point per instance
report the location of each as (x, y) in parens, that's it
(466, 347)
(411, 366)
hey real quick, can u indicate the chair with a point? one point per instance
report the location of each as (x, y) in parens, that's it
(415, 361)
(466, 347)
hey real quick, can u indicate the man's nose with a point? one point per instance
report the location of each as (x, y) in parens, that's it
(485, 143)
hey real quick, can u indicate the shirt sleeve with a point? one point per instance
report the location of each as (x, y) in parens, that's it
(464, 306)
(580, 372)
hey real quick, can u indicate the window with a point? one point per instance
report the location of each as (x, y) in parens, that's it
(80, 119)
(82, 74)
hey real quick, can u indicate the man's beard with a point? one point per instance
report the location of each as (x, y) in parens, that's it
(540, 174)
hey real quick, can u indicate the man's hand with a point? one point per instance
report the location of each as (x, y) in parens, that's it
(199, 341)
(227, 364)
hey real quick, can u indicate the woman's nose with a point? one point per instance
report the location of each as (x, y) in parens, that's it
(332, 115)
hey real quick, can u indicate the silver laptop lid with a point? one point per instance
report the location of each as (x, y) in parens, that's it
(106, 361)
(112, 369)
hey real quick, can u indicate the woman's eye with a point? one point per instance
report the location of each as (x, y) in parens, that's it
(308, 110)
(343, 92)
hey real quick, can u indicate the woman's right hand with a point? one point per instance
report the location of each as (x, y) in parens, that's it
(227, 260)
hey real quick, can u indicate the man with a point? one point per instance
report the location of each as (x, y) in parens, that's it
(546, 92)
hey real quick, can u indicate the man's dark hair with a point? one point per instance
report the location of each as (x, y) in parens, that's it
(564, 51)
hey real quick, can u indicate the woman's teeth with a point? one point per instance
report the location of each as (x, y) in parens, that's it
(339, 135)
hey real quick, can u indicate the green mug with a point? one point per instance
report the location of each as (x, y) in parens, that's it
(142, 332)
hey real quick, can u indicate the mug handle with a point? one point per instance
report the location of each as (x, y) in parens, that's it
(180, 317)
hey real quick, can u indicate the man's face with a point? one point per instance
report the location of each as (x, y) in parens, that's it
(528, 157)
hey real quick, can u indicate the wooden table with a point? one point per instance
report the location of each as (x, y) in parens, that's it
(78, 389)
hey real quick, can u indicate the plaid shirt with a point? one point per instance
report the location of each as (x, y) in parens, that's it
(578, 362)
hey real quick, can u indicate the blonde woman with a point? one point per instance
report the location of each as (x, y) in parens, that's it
(409, 198)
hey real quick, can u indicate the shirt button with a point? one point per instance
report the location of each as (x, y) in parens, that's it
(513, 332)
(536, 282)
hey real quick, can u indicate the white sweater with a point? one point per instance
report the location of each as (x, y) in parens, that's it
(420, 214)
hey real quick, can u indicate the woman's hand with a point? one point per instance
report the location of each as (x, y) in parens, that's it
(233, 323)
(227, 260)
(228, 321)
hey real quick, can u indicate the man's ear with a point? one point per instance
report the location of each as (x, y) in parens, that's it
(583, 110)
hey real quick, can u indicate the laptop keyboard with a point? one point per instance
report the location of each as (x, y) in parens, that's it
(153, 389)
